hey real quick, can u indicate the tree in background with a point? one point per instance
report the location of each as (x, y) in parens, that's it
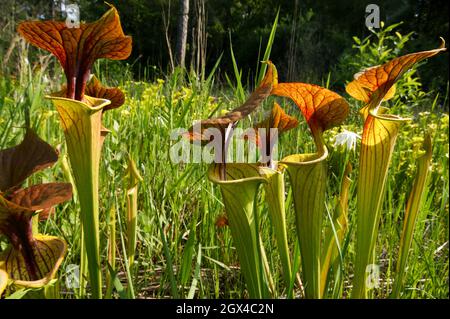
(182, 32)
(311, 38)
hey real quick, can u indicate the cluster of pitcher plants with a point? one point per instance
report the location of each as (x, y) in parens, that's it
(320, 249)
(33, 259)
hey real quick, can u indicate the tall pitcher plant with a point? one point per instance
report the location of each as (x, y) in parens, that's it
(322, 110)
(80, 106)
(239, 184)
(373, 86)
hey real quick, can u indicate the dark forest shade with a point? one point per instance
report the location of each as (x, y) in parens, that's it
(323, 29)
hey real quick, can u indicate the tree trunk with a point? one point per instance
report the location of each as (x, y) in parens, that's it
(292, 56)
(183, 19)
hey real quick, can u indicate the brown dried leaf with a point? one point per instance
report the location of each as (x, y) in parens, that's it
(253, 102)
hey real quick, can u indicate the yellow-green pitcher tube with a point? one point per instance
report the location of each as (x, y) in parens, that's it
(132, 209)
(334, 234)
(377, 145)
(308, 175)
(81, 122)
(274, 189)
(239, 193)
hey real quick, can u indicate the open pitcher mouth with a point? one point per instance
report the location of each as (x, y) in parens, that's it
(89, 103)
(47, 255)
(304, 159)
(235, 173)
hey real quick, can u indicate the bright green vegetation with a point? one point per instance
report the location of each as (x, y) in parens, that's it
(181, 252)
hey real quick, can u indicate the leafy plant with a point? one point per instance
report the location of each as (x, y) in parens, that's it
(185, 246)
(379, 47)
(239, 182)
(273, 174)
(233, 179)
(132, 208)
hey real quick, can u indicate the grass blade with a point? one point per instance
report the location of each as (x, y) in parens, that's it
(198, 264)
(270, 42)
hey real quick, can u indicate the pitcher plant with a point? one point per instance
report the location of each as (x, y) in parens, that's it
(31, 259)
(80, 106)
(373, 86)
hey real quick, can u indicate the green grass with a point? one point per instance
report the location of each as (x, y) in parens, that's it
(181, 252)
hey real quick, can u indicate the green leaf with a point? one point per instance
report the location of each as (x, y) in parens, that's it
(186, 260)
(377, 145)
(117, 284)
(196, 277)
(18, 294)
(331, 254)
(373, 86)
(412, 210)
(132, 209)
(268, 50)
(238, 75)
